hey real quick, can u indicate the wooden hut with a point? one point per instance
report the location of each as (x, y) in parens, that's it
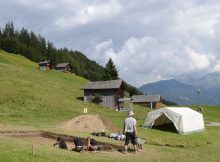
(153, 101)
(109, 91)
(64, 67)
(46, 65)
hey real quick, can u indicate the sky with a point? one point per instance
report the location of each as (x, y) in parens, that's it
(148, 40)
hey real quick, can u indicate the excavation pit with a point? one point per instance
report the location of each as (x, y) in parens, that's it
(49, 138)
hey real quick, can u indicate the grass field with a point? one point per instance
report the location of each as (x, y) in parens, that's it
(38, 100)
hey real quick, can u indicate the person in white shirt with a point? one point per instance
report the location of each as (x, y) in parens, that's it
(130, 131)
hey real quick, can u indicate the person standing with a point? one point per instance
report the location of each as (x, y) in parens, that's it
(130, 131)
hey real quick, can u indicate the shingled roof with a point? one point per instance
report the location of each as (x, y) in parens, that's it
(62, 65)
(111, 84)
(146, 98)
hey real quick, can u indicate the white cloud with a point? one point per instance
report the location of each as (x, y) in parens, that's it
(142, 60)
(89, 13)
(37, 4)
(197, 61)
(199, 19)
(104, 45)
(217, 68)
(148, 40)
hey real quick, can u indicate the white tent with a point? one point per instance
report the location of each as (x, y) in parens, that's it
(184, 119)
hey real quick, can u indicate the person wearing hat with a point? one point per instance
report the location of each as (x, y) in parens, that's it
(130, 131)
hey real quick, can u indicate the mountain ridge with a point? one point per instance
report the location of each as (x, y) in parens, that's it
(194, 91)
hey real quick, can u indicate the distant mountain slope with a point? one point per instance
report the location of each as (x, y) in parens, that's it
(183, 93)
(207, 81)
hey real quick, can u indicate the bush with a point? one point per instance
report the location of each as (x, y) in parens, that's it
(97, 99)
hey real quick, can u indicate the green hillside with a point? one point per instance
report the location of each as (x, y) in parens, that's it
(32, 99)
(37, 48)
(38, 98)
(31, 96)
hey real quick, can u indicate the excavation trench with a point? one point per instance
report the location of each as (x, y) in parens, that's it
(49, 138)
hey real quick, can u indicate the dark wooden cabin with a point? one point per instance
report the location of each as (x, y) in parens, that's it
(64, 67)
(153, 101)
(46, 65)
(110, 92)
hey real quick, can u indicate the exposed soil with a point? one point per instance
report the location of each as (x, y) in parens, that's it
(42, 137)
(2, 125)
(38, 139)
(18, 133)
(86, 123)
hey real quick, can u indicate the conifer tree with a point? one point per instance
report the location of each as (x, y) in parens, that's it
(9, 30)
(110, 71)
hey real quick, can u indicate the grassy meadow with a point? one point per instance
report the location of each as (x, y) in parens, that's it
(38, 100)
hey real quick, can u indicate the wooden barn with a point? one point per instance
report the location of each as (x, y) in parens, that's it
(64, 67)
(110, 92)
(153, 101)
(46, 65)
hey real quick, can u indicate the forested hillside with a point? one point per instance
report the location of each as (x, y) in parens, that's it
(37, 48)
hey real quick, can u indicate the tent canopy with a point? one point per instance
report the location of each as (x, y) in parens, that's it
(184, 119)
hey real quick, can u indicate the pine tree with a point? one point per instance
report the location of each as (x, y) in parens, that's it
(8, 31)
(50, 51)
(110, 71)
(24, 37)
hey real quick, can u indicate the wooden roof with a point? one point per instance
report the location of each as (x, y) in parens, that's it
(146, 98)
(62, 65)
(110, 84)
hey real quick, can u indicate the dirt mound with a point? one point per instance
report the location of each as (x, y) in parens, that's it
(2, 125)
(85, 123)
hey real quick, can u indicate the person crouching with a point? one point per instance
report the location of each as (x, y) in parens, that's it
(61, 143)
(91, 144)
(77, 145)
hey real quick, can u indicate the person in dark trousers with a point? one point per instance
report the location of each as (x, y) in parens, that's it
(91, 144)
(77, 145)
(61, 143)
(130, 131)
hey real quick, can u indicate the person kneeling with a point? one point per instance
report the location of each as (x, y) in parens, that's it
(61, 143)
(77, 145)
(91, 144)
